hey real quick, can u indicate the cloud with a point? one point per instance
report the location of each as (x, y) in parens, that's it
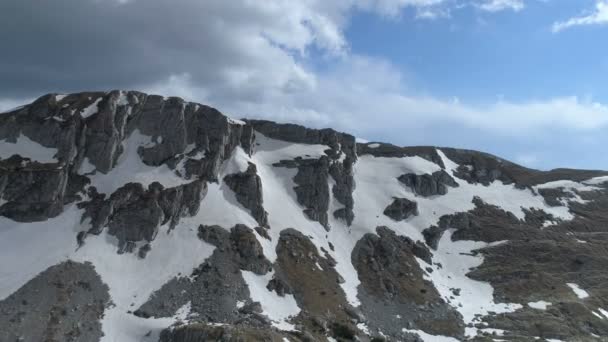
(599, 16)
(501, 5)
(281, 60)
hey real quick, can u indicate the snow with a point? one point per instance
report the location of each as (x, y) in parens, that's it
(475, 297)
(570, 187)
(91, 109)
(280, 201)
(27, 148)
(238, 162)
(60, 97)
(580, 293)
(374, 145)
(596, 180)
(34, 247)
(428, 337)
(132, 280)
(540, 305)
(130, 168)
(86, 167)
(236, 121)
(278, 309)
(122, 99)
(603, 312)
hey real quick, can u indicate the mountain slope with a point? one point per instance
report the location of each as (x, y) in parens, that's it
(154, 218)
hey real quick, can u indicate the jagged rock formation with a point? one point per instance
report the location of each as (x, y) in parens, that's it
(342, 154)
(144, 218)
(215, 287)
(429, 185)
(89, 128)
(401, 208)
(395, 292)
(134, 214)
(247, 187)
(63, 303)
(202, 332)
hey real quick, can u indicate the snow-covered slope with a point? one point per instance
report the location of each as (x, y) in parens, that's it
(177, 223)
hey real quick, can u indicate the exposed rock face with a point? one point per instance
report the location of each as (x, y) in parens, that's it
(134, 165)
(429, 185)
(202, 332)
(314, 283)
(484, 168)
(312, 188)
(216, 286)
(391, 151)
(401, 209)
(394, 293)
(247, 187)
(134, 214)
(91, 128)
(342, 154)
(63, 303)
(32, 191)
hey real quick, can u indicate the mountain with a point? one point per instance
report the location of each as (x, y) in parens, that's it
(133, 217)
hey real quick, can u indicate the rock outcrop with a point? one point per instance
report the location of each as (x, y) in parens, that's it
(216, 286)
(133, 214)
(247, 187)
(401, 209)
(341, 156)
(395, 293)
(63, 303)
(426, 185)
(90, 128)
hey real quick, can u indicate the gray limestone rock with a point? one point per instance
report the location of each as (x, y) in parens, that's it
(342, 154)
(134, 214)
(216, 286)
(64, 303)
(429, 185)
(247, 187)
(401, 209)
(393, 289)
(312, 188)
(92, 128)
(198, 332)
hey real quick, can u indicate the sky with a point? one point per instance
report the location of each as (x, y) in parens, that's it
(521, 79)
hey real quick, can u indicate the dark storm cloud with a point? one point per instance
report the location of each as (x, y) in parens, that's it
(72, 45)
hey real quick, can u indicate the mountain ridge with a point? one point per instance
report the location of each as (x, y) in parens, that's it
(178, 218)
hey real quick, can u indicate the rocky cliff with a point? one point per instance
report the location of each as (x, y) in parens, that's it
(134, 217)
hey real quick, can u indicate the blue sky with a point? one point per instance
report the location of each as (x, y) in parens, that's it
(482, 56)
(522, 79)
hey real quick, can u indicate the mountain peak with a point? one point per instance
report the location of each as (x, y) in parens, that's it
(161, 219)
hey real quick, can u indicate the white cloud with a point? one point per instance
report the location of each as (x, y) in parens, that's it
(365, 96)
(501, 5)
(599, 16)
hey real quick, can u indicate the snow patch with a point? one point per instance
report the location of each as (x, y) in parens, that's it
(374, 145)
(476, 297)
(278, 309)
(540, 305)
(130, 168)
(428, 337)
(91, 109)
(27, 148)
(580, 293)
